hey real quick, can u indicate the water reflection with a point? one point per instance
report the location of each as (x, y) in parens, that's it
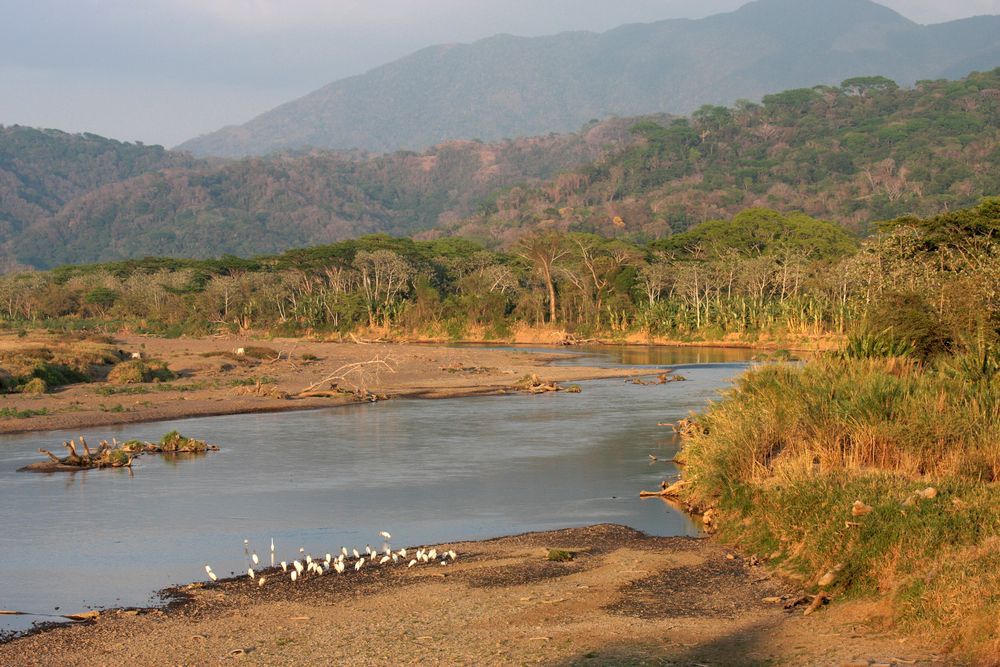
(427, 471)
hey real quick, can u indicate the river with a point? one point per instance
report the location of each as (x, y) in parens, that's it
(428, 471)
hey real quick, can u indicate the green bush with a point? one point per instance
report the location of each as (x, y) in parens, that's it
(137, 372)
(907, 319)
(58, 375)
(35, 386)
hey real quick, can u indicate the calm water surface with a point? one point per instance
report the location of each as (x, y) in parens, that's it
(427, 471)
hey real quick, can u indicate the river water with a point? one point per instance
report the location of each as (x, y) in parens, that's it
(428, 471)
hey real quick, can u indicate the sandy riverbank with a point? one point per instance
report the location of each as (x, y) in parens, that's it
(625, 599)
(211, 382)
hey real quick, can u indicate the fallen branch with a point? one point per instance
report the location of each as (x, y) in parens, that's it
(672, 491)
(359, 375)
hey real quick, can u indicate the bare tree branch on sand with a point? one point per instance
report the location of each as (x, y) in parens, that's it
(357, 378)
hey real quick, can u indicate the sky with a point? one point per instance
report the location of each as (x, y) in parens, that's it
(163, 71)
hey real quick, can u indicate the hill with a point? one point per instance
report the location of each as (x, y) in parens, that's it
(42, 170)
(507, 86)
(262, 205)
(856, 153)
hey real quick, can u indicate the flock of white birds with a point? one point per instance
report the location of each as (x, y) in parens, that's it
(306, 564)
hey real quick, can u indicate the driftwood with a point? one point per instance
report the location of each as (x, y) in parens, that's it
(666, 491)
(106, 456)
(662, 378)
(570, 340)
(113, 454)
(532, 384)
(357, 376)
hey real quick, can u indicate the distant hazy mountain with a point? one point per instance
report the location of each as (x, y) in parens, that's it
(509, 86)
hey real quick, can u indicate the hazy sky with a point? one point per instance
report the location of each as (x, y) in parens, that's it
(162, 71)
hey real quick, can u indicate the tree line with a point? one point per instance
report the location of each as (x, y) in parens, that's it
(759, 273)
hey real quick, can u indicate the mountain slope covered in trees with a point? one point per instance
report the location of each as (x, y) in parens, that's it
(261, 205)
(42, 170)
(507, 86)
(857, 153)
(853, 154)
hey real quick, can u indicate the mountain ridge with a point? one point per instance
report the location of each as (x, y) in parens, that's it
(507, 86)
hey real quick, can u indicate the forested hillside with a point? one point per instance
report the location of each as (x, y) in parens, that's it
(42, 170)
(507, 86)
(863, 151)
(263, 205)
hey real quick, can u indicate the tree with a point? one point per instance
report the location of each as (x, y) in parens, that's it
(384, 277)
(861, 86)
(544, 250)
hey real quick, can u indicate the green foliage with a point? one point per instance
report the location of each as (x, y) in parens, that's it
(876, 346)
(12, 413)
(763, 231)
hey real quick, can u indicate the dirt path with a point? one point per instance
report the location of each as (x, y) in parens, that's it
(625, 599)
(212, 382)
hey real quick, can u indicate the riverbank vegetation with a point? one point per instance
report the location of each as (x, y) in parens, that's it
(760, 274)
(875, 471)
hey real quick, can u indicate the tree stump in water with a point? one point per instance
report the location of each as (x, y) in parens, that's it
(115, 455)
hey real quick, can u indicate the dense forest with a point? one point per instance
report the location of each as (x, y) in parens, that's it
(863, 151)
(928, 283)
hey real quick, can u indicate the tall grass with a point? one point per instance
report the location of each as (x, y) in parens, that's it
(785, 455)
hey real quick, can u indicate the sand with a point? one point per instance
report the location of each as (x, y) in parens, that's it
(217, 385)
(625, 598)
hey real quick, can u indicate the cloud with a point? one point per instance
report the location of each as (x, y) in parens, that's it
(938, 11)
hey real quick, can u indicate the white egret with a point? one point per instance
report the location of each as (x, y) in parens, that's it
(298, 567)
(284, 566)
(356, 554)
(329, 558)
(253, 557)
(395, 558)
(452, 555)
(385, 535)
(260, 582)
(368, 549)
(211, 575)
(359, 565)
(272, 552)
(412, 563)
(294, 575)
(402, 553)
(250, 572)
(433, 554)
(384, 560)
(343, 551)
